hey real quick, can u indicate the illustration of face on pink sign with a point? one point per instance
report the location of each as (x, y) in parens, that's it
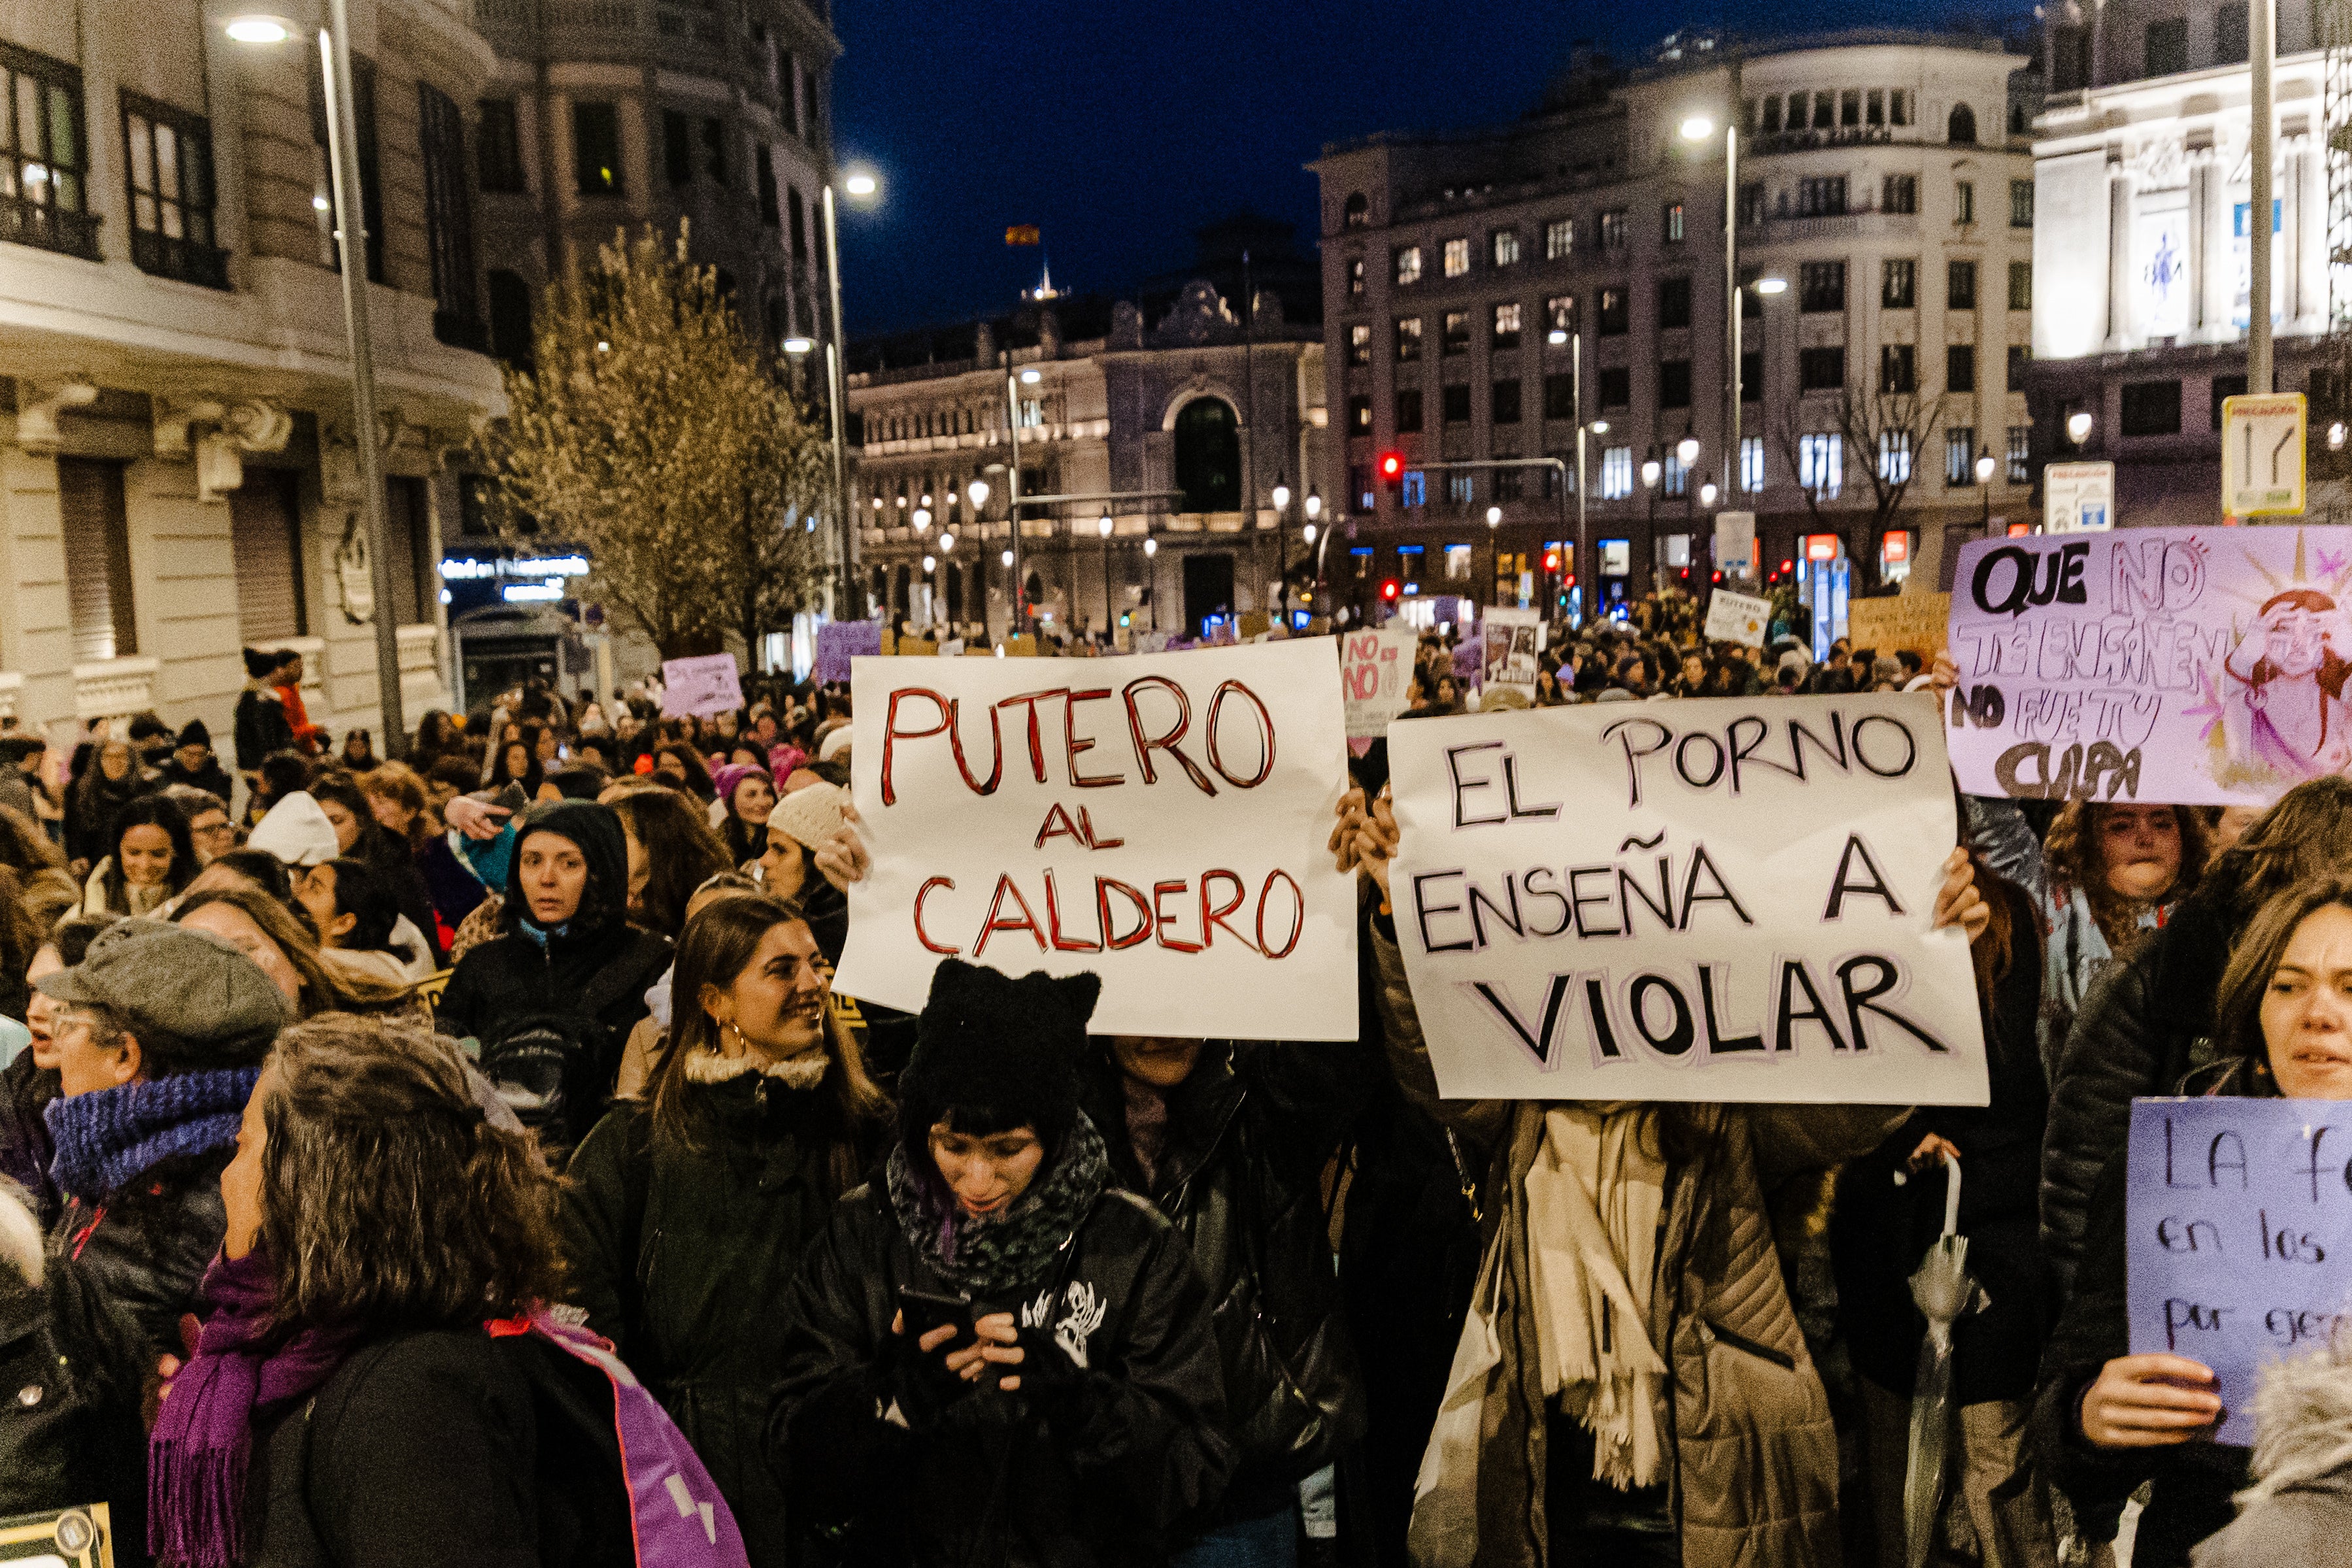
(2287, 709)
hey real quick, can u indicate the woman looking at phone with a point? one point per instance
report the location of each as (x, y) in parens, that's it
(1069, 1407)
(2113, 1420)
(682, 1210)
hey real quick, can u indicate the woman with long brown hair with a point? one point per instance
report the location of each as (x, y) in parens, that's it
(2115, 869)
(672, 851)
(682, 1214)
(287, 951)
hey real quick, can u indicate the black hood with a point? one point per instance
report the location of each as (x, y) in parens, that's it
(604, 905)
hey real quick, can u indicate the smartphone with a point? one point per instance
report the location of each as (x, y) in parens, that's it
(512, 798)
(927, 1310)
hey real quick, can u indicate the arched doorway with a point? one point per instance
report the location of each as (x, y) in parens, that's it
(1209, 456)
(1961, 131)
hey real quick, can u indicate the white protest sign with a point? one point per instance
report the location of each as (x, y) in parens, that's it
(2195, 666)
(2261, 455)
(1716, 900)
(1737, 618)
(701, 686)
(2078, 497)
(1514, 638)
(1376, 678)
(1159, 820)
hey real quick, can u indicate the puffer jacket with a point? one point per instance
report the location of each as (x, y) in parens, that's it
(1752, 1457)
(595, 958)
(667, 1242)
(1102, 1472)
(2147, 1022)
(1248, 1133)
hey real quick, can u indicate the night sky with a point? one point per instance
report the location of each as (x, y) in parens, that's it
(1118, 126)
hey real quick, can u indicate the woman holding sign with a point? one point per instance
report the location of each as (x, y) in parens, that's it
(2113, 1419)
(1691, 1428)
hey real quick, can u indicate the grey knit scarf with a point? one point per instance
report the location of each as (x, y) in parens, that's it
(992, 1254)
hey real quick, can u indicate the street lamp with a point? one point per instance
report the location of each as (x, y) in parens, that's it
(266, 29)
(977, 492)
(1650, 468)
(2078, 426)
(1984, 481)
(1494, 516)
(1309, 532)
(1708, 493)
(1314, 502)
(1007, 559)
(1771, 286)
(1686, 450)
(861, 184)
(1698, 128)
(797, 346)
(947, 544)
(922, 519)
(1281, 494)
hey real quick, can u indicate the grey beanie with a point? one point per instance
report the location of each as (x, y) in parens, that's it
(210, 1003)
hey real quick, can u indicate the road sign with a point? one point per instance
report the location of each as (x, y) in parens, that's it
(2078, 497)
(1735, 542)
(2262, 455)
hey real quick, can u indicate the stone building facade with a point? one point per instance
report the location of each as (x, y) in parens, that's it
(177, 472)
(1194, 403)
(1883, 180)
(2143, 187)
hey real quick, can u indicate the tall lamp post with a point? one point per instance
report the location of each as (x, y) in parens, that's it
(861, 184)
(335, 35)
(1984, 483)
(1698, 128)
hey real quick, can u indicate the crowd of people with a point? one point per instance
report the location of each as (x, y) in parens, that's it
(403, 1154)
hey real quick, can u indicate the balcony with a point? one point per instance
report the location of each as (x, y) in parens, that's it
(114, 689)
(184, 259)
(49, 227)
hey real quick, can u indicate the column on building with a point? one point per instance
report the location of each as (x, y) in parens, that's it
(2307, 177)
(2121, 338)
(2208, 250)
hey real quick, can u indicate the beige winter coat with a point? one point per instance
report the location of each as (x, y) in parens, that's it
(1753, 1470)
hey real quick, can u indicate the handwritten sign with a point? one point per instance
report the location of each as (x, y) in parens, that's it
(1914, 621)
(2239, 1243)
(838, 642)
(701, 686)
(1513, 640)
(1702, 899)
(2201, 666)
(1159, 820)
(1375, 678)
(1738, 617)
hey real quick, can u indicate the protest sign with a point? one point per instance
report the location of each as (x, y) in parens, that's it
(1159, 820)
(838, 642)
(701, 686)
(1911, 621)
(1513, 639)
(1738, 617)
(1376, 678)
(2199, 666)
(1469, 657)
(2238, 1241)
(1712, 899)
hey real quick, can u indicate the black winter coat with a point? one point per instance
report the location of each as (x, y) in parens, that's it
(25, 1147)
(677, 1254)
(2193, 1480)
(262, 726)
(1240, 1175)
(443, 1447)
(1101, 1469)
(2145, 1024)
(597, 967)
(1880, 1231)
(145, 1246)
(211, 777)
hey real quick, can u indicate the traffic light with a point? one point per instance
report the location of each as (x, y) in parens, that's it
(1390, 588)
(1392, 466)
(1551, 560)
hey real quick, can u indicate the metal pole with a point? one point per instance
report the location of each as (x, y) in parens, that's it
(1732, 298)
(1576, 392)
(835, 392)
(2263, 46)
(1013, 492)
(350, 219)
(1249, 431)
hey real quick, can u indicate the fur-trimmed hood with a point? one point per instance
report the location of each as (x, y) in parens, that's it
(2303, 1426)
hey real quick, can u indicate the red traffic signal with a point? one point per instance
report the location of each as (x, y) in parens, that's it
(1391, 467)
(1390, 588)
(1551, 560)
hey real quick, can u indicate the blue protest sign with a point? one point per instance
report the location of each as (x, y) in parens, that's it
(2239, 1250)
(838, 642)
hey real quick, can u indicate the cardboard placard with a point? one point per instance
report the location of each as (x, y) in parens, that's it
(1737, 618)
(2238, 1245)
(2197, 666)
(1509, 651)
(701, 686)
(1160, 820)
(838, 642)
(1709, 899)
(1376, 678)
(1915, 621)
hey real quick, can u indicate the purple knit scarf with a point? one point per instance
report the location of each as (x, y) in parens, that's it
(202, 1444)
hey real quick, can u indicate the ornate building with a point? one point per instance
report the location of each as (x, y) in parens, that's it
(177, 472)
(1192, 419)
(2142, 254)
(1884, 186)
